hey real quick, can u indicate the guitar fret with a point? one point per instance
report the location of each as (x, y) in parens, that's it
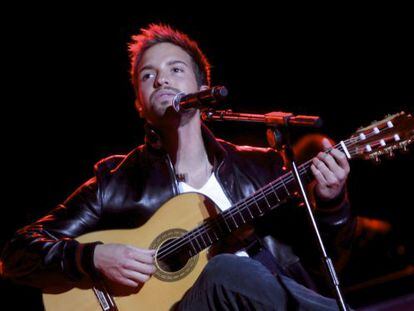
(219, 225)
(306, 173)
(275, 193)
(191, 242)
(284, 185)
(215, 235)
(264, 195)
(199, 246)
(250, 212)
(271, 199)
(201, 235)
(211, 242)
(258, 207)
(215, 228)
(232, 217)
(241, 215)
(228, 227)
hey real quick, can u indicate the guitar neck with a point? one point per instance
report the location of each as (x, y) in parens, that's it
(256, 205)
(383, 137)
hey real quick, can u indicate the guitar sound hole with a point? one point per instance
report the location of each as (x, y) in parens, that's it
(170, 259)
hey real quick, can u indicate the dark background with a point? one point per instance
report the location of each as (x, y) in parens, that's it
(68, 103)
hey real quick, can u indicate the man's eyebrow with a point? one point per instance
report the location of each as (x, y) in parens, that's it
(146, 67)
(173, 62)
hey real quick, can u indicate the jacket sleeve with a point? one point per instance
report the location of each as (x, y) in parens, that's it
(45, 254)
(335, 218)
(337, 224)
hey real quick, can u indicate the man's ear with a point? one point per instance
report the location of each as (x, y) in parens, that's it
(203, 87)
(139, 108)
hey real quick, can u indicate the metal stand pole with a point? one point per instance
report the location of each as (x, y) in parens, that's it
(324, 256)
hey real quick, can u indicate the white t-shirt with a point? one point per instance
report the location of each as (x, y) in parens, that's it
(213, 190)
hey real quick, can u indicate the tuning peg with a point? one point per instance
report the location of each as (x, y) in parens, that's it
(404, 147)
(375, 157)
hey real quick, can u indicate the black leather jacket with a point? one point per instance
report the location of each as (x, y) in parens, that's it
(127, 190)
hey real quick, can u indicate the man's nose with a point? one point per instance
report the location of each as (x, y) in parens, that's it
(161, 80)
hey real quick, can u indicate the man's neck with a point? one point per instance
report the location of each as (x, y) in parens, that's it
(185, 146)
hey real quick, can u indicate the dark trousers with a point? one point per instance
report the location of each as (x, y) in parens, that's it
(229, 282)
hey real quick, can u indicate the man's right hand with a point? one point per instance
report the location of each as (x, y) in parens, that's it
(123, 264)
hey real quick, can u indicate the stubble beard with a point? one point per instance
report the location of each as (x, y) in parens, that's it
(168, 118)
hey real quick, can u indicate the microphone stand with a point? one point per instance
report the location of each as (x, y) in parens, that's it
(278, 124)
(275, 118)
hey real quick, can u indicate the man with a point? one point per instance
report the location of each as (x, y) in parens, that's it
(180, 155)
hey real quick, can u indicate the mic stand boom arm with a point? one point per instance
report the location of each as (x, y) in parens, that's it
(275, 118)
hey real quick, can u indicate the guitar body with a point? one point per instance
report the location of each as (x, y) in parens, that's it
(178, 215)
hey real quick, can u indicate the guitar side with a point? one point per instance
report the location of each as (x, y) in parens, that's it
(186, 212)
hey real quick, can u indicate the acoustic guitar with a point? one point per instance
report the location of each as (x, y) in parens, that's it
(184, 228)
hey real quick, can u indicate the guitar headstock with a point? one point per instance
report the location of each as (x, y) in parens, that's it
(382, 137)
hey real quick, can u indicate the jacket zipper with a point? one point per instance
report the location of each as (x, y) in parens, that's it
(221, 183)
(173, 175)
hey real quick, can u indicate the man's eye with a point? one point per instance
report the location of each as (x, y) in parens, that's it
(177, 69)
(146, 76)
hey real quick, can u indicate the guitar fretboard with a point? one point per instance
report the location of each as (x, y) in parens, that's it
(256, 205)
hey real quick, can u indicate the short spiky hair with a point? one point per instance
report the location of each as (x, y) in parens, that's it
(159, 33)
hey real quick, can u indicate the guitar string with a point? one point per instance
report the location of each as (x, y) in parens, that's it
(254, 198)
(264, 193)
(258, 195)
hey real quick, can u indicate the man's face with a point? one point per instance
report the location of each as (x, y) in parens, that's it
(165, 70)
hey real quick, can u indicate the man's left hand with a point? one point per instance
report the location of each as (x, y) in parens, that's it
(331, 171)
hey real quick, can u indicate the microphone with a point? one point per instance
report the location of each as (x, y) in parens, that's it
(206, 98)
